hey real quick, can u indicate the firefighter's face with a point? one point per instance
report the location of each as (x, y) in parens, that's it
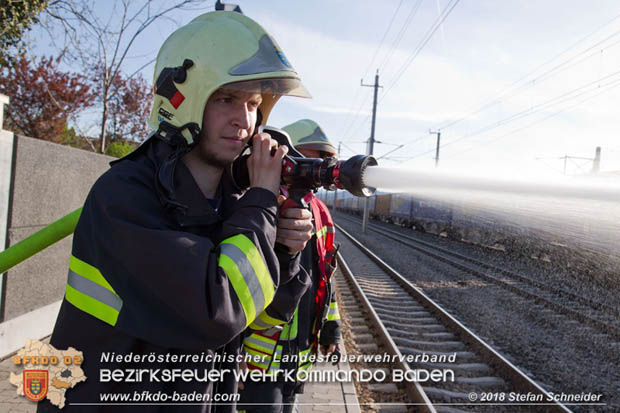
(314, 153)
(228, 123)
(309, 153)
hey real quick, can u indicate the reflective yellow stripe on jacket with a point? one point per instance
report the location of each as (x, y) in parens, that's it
(289, 332)
(248, 275)
(333, 313)
(265, 321)
(304, 364)
(89, 291)
(265, 349)
(257, 344)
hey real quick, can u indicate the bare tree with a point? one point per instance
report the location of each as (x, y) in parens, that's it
(99, 38)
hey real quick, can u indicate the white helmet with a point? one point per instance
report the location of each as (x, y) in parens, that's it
(307, 134)
(216, 49)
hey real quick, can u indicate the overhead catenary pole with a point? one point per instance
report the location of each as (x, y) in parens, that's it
(371, 141)
(580, 158)
(565, 159)
(596, 163)
(438, 133)
(336, 190)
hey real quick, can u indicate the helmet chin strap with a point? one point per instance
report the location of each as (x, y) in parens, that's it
(173, 135)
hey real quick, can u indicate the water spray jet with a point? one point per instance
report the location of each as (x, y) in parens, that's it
(420, 182)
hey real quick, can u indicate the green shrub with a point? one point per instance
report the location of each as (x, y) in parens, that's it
(118, 149)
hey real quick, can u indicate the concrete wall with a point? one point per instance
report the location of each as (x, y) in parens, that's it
(49, 181)
(7, 144)
(40, 182)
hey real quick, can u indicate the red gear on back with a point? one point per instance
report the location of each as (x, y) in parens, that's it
(327, 255)
(326, 251)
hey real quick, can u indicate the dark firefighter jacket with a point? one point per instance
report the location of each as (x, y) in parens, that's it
(157, 270)
(299, 337)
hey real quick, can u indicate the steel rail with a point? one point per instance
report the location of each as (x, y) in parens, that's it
(414, 390)
(576, 314)
(490, 355)
(586, 301)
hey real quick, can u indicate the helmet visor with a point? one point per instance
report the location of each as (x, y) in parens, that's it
(271, 86)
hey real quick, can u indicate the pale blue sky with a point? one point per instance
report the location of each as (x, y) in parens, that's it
(481, 49)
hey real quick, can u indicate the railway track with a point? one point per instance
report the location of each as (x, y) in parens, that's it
(601, 316)
(422, 337)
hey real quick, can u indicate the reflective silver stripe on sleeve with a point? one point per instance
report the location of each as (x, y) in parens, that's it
(260, 323)
(259, 343)
(94, 290)
(247, 271)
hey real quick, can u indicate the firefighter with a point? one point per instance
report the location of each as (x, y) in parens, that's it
(170, 262)
(316, 323)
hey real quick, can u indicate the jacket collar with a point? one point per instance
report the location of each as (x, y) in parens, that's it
(198, 210)
(176, 188)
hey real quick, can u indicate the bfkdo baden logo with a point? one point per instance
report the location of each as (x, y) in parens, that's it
(41, 371)
(36, 384)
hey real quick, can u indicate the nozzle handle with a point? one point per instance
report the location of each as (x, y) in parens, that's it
(297, 199)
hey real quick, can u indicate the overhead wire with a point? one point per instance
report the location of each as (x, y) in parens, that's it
(429, 34)
(384, 36)
(601, 89)
(427, 37)
(347, 147)
(608, 87)
(512, 90)
(507, 91)
(389, 54)
(370, 65)
(400, 34)
(555, 169)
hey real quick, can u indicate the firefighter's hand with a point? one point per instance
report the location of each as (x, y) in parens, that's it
(328, 349)
(264, 168)
(294, 228)
(334, 353)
